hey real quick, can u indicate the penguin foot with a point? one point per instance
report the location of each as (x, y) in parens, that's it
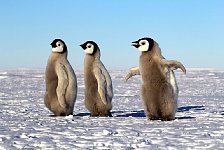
(102, 115)
(153, 118)
(169, 118)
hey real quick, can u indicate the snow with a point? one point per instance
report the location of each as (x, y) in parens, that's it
(27, 124)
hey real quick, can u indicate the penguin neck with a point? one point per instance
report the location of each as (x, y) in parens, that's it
(156, 49)
(96, 55)
(56, 56)
(90, 59)
(53, 58)
(154, 52)
(146, 55)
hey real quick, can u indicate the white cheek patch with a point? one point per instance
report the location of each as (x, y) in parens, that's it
(145, 47)
(57, 49)
(89, 50)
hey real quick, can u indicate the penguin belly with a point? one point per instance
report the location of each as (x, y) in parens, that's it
(157, 93)
(93, 100)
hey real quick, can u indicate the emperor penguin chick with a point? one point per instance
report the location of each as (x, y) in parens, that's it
(61, 82)
(159, 88)
(98, 84)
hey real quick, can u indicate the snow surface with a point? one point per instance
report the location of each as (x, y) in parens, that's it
(25, 123)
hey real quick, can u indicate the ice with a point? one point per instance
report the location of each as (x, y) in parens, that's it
(3, 75)
(27, 124)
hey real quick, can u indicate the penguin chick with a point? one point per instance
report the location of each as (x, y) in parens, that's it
(98, 84)
(61, 82)
(159, 89)
(169, 74)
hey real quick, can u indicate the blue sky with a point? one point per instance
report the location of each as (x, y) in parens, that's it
(191, 31)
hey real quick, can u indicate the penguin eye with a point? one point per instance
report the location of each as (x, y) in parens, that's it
(143, 43)
(89, 46)
(59, 44)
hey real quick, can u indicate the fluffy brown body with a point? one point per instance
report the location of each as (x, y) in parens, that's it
(61, 85)
(159, 89)
(157, 92)
(93, 101)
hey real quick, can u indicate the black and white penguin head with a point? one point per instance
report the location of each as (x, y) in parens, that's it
(89, 47)
(144, 44)
(58, 46)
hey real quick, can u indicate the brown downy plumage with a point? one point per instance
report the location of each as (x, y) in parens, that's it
(159, 89)
(61, 83)
(98, 84)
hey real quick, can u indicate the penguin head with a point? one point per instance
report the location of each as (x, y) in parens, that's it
(144, 44)
(89, 47)
(58, 46)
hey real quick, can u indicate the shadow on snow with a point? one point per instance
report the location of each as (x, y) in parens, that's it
(140, 113)
(188, 108)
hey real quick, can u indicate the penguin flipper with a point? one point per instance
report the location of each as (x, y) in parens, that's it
(104, 83)
(173, 82)
(109, 86)
(62, 84)
(173, 64)
(132, 72)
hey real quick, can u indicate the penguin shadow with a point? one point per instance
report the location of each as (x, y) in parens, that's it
(139, 113)
(184, 118)
(74, 115)
(188, 108)
(222, 113)
(53, 116)
(117, 114)
(83, 114)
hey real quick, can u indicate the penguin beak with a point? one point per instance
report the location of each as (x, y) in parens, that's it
(135, 44)
(83, 46)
